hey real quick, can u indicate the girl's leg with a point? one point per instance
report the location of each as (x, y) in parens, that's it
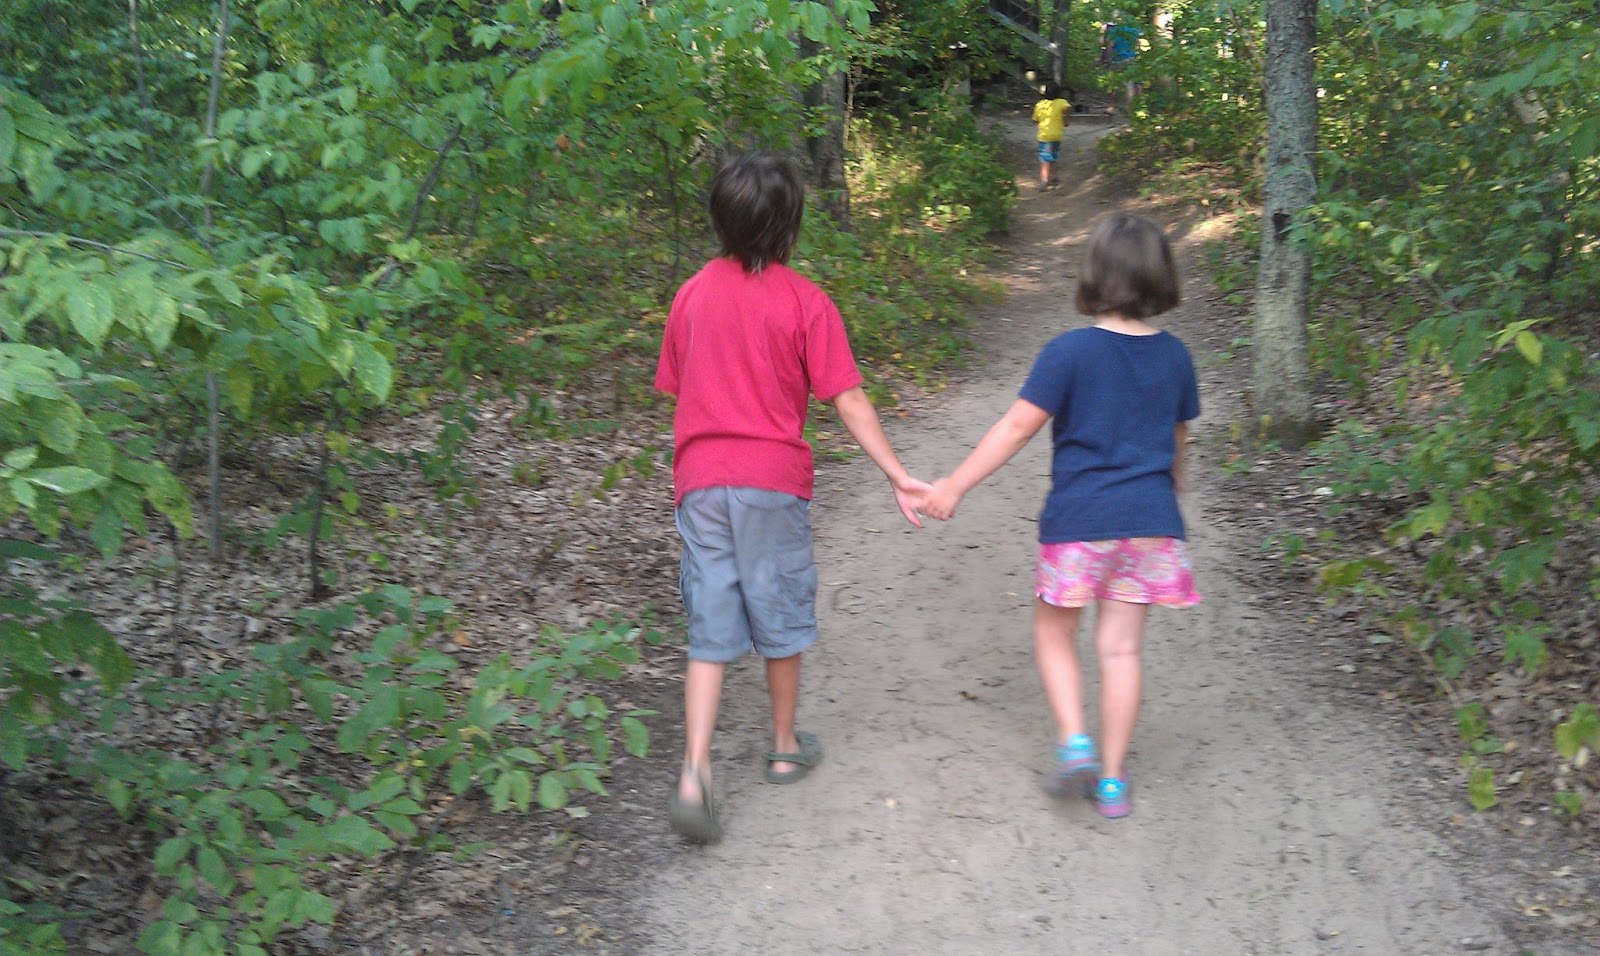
(1055, 653)
(702, 694)
(783, 688)
(1118, 637)
(1044, 173)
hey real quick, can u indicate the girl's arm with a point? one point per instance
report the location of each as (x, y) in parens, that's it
(1180, 438)
(1007, 437)
(856, 411)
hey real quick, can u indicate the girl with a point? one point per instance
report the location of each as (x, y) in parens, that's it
(1121, 394)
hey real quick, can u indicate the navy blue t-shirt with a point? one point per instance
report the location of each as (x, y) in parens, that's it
(1114, 400)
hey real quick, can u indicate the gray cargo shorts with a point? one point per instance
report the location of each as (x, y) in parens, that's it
(748, 578)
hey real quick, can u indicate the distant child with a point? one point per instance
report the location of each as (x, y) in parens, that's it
(1121, 394)
(1119, 45)
(1052, 113)
(747, 342)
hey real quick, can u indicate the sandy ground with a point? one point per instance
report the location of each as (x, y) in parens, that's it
(1267, 817)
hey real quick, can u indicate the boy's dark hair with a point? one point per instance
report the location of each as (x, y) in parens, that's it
(757, 200)
(1128, 269)
(1050, 90)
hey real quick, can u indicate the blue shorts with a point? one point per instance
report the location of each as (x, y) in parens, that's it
(748, 578)
(1049, 150)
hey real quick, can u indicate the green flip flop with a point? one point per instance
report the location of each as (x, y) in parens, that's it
(809, 756)
(697, 821)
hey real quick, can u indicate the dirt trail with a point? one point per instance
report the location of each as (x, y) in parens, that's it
(1266, 814)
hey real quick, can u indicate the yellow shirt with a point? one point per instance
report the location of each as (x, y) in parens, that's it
(1052, 117)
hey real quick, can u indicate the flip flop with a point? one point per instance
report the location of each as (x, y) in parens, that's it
(809, 756)
(697, 821)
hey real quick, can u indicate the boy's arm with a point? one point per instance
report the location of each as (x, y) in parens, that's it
(856, 411)
(1007, 437)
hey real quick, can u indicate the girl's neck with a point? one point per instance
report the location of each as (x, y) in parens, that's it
(1117, 322)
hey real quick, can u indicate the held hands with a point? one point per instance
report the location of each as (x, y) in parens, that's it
(941, 500)
(908, 491)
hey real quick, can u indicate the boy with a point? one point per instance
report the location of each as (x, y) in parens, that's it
(747, 341)
(1052, 113)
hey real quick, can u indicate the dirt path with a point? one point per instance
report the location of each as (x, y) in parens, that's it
(1266, 819)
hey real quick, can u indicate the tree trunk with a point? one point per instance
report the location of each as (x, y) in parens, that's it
(824, 152)
(1282, 375)
(213, 396)
(1060, 27)
(138, 66)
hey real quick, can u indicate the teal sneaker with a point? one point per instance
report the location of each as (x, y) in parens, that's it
(1111, 798)
(1077, 766)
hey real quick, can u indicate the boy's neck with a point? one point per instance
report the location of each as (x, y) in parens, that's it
(1117, 322)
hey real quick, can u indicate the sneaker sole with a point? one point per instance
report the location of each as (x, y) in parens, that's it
(1114, 812)
(1076, 781)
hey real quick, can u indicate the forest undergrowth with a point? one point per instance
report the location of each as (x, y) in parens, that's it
(1443, 529)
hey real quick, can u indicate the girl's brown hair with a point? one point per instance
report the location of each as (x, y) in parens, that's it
(757, 200)
(1128, 269)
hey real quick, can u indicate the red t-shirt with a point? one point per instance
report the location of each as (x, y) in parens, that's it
(742, 353)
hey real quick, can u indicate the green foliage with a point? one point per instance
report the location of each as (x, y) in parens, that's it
(29, 930)
(247, 823)
(959, 181)
(1481, 789)
(1580, 729)
(1200, 103)
(1457, 173)
(415, 202)
(916, 51)
(39, 637)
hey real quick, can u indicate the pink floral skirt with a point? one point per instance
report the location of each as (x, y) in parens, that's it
(1133, 570)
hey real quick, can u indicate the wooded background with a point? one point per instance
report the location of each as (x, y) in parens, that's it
(339, 235)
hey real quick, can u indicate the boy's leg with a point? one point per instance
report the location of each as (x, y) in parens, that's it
(702, 695)
(1118, 637)
(778, 575)
(783, 687)
(1056, 655)
(718, 630)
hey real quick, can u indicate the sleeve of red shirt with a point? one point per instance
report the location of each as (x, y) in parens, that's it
(667, 365)
(830, 365)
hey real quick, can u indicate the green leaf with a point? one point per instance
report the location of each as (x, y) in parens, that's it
(1531, 347)
(13, 744)
(1580, 730)
(636, 735)
(170, 853)
(382, 710)
(161, 322)
(267, 805)
(356, 834)
(227, 288)
(214, 871)
(11, 548)
(1429, 519)
(24, 493)
(373, 371)
(66, 480)
(614, 19)
(1480, 788)
(1525, 646)
(8, 137)
(58, 425)
(552, 790)
(89, 313)
(21, 458)
(240, 388)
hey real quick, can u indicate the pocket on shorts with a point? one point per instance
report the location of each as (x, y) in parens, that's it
(777, 567)
(798, 584)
